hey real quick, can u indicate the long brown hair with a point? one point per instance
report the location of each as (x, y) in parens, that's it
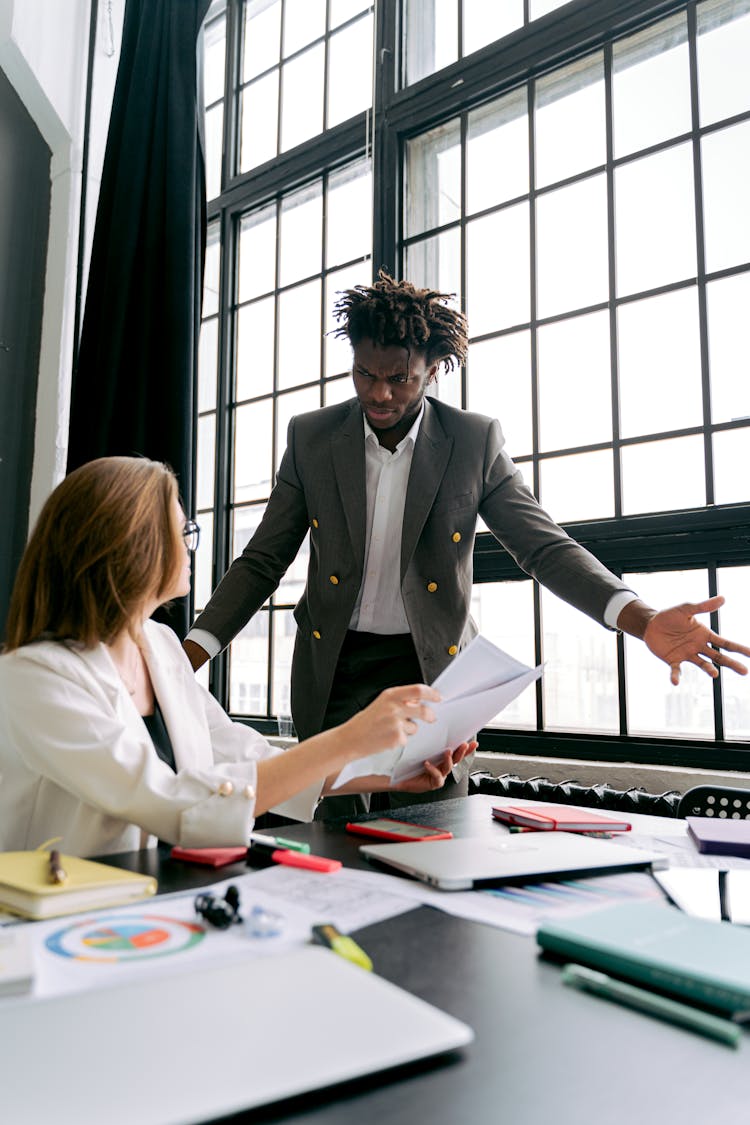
(103, 545)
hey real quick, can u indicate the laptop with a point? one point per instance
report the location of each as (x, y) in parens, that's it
(530, 857)
(194, 1046)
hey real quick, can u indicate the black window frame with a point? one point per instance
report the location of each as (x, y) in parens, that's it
(707, 537)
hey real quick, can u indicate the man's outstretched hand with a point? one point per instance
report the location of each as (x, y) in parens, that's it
(674, 635)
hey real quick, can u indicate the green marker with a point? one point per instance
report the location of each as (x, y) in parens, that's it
(280, 842)
(653, 1003)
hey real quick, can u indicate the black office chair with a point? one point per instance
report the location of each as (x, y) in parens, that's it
(721, 801)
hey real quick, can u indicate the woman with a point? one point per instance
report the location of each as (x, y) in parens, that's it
(106, 739)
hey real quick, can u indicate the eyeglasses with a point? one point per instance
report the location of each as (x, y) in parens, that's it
(191, 533)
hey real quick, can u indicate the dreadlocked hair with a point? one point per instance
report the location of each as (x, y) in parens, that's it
(396, 313)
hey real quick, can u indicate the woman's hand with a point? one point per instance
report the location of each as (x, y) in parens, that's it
(435, 774)
(389, 720)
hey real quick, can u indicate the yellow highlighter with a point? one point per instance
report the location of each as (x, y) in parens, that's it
(342, 944)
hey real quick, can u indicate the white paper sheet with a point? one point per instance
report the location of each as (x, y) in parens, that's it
(475, 687)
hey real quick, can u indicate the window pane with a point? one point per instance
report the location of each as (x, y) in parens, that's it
(300, 234)
(497, 152)
(284, 632)
(350, 72)
(214, 127)
(661, 475)
(293, 583)
(575, 390)
(539, 8)
(447, 388)
(435, 263)
(578, 487)
(731, 479)
(726, 180)
(734, 622)
(497, 270)
(572, 247)
(342, 10)
(287, 407)
(660, 364)
(723, 51)
(499, 385)
(349, 215)
(579, 682)
(302, 98)
(206, 457)
(304, 20)
(255, 341)
(207, 365)
(203, 581)
(729, 347)
(257, 251)
(656, 706)
(338, 352)
(655, 220)
(430, 37)
(484, 23)
(245, 524)
(299, 335)
(504, 613)
(433, 179)
(337, 390)
(252, 451)
(248, 668)
(262, 36)
(214, 50)
(569, 121)
(259, 116)
(212, 271)
(651, 86)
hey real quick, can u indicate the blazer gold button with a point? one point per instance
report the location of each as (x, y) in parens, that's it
(226, 789)
(456, 536)
(453, 650)
(315, 523)
(316, 634)
(248, 792)
(333, 580)
(432, 587)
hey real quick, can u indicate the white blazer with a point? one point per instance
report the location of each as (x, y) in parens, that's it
(76, 760)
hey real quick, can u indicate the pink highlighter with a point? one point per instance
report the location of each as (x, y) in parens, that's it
(265, 855)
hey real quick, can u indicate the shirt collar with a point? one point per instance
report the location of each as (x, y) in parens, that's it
(410, 436)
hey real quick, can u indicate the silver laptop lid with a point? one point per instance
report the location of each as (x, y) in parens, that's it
(458, 865)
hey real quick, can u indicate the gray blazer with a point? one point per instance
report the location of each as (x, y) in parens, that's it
(459, 470)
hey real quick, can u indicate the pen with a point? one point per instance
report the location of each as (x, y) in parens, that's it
(263, 855)
(340, 943)
(57, 873)
(653, 1003)
(279, 842)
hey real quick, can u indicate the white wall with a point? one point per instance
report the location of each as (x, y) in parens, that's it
(44, 55)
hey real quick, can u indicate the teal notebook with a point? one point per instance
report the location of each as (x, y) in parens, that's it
(657, 945)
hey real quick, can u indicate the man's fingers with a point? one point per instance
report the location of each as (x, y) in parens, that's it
(730, 646)
(707, 606)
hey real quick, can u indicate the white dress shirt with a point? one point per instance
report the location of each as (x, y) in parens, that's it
(379, 607)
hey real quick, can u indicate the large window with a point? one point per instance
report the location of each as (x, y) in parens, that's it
(577, 175)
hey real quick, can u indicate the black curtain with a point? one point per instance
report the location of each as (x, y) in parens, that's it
(134, 383)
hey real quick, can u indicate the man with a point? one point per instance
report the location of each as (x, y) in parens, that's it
(389, 485)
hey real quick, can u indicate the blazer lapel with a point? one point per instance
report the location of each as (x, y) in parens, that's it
(186, 725)
(429, 462)
(348, 454)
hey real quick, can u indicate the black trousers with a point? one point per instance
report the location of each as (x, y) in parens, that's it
(369, 663)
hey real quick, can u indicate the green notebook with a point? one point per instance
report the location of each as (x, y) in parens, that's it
(661, 947)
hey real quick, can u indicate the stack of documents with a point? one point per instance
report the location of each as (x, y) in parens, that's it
(475, 687)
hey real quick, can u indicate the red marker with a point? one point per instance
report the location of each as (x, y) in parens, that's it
(264, 855)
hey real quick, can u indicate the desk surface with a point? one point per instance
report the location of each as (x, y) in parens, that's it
(542, 1052)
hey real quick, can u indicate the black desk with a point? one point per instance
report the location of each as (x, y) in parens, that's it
(542, 1053)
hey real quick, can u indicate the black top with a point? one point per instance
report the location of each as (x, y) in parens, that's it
(156, 727)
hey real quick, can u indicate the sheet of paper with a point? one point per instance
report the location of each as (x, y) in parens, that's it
(475, 687)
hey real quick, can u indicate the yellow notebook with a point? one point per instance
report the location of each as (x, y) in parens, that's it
(26, 887)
